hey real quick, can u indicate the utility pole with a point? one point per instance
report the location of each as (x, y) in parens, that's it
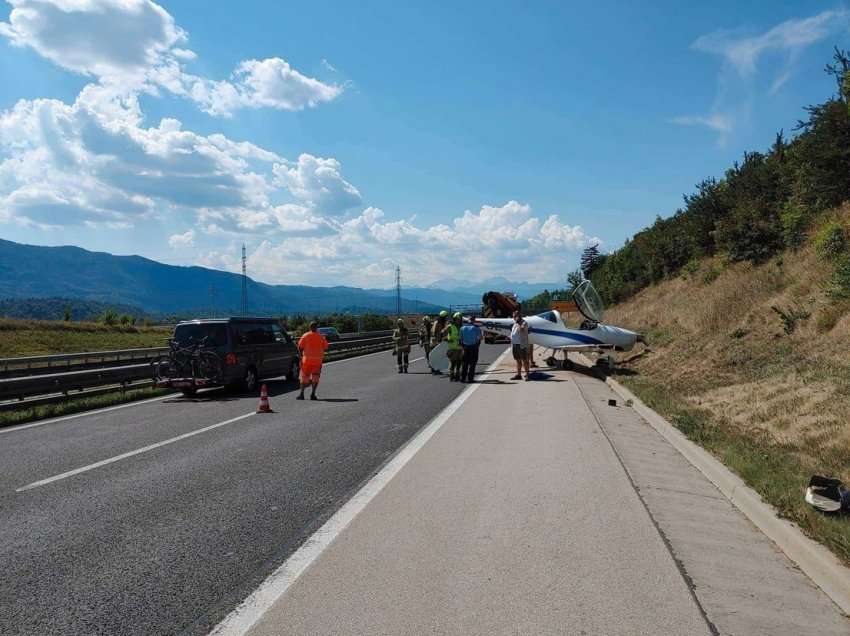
(212, 300)
(244, 282)
(398, 291)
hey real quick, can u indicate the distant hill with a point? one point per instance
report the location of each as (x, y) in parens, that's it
(497, 283)
(29, 271)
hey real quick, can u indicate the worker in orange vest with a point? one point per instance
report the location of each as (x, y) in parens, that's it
(312, 346)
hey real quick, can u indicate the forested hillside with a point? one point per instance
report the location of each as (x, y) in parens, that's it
(766, 203)
(744, 296)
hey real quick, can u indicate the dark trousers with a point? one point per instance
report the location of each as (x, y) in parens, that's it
(402, 357)
(470, 360)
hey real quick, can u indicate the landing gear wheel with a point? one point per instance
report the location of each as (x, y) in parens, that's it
(552, 361)
(249, 382)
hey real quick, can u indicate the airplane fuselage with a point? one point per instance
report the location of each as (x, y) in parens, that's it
(551, 333)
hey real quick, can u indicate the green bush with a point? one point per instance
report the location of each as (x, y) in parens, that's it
(838, 287)
(710, 275)
(748, 236)
(690, 268)
(831, 241)
(794, 224)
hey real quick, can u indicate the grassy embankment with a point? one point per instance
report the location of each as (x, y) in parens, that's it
(37, 337)
(770, 397)
(45, 337)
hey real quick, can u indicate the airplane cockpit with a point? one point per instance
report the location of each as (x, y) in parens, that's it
(589, 304)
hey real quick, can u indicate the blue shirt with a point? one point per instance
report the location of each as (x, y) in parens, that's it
(470, 335)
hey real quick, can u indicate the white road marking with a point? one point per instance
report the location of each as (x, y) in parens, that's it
(54, 420)
(138, 451)
(246, 615)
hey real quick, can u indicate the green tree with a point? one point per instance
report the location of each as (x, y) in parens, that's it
(590, 259)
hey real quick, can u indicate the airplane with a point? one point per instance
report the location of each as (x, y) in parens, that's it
(547, 330)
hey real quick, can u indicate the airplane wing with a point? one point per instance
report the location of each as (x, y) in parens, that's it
(582, 347)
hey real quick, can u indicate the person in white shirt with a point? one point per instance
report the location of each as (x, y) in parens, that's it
(519, 345)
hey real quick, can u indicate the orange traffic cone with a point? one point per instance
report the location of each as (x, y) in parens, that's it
(264, 401)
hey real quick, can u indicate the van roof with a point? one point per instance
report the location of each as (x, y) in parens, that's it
(229, 319)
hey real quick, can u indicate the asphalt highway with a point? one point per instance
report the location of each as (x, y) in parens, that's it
(161, 517)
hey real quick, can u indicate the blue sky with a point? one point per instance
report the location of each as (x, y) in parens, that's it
(339, 139)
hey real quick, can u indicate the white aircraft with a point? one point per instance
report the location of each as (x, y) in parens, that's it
(548, 330)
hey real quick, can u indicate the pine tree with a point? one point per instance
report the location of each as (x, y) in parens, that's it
(590, 258)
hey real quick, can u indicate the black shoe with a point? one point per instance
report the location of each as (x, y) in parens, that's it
(300, 397)
(517, 377)
(405, 369)
(313, 397)
(399, 370)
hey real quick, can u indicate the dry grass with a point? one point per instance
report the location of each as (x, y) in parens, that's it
(720, 351)
(44, 337)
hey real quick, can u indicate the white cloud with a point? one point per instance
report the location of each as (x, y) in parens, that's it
(363, 250)
(318, 182)
(177, 241)
(132, 44)
(274, 83)
(94, 161)
(103, 38)
(718, 122)
(742, 54)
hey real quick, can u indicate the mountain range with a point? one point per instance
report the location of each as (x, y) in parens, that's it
(30, 271)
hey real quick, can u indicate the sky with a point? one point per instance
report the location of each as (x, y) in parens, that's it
(339, 140)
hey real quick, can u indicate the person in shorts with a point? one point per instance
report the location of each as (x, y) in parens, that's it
(312, 346)
(519, 345)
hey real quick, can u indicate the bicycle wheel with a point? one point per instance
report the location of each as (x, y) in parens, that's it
(161, 367)
(209, 365)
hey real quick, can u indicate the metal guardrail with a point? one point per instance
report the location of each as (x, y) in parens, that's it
(34, 365)
(51, 379)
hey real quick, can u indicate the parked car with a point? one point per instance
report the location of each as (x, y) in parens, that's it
(227, 352)
(330, 333)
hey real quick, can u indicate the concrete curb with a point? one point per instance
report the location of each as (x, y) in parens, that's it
(818, 563)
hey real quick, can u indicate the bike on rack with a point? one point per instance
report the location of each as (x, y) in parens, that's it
(187, 368)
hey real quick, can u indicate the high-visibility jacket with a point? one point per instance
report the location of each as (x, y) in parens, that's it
(400, 340)
(425, 334)
(437, 333)
(452, 334)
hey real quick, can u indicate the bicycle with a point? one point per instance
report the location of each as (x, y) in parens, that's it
(187, 368)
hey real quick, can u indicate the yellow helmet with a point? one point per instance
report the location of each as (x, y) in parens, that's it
(457, 314)
(444, 313)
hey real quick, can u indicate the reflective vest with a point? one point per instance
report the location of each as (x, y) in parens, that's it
(400, 340)
(453, 336)
(437, 333)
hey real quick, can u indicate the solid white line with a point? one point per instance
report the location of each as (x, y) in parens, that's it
(138, 451)
(251, 610)
(54, 420)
